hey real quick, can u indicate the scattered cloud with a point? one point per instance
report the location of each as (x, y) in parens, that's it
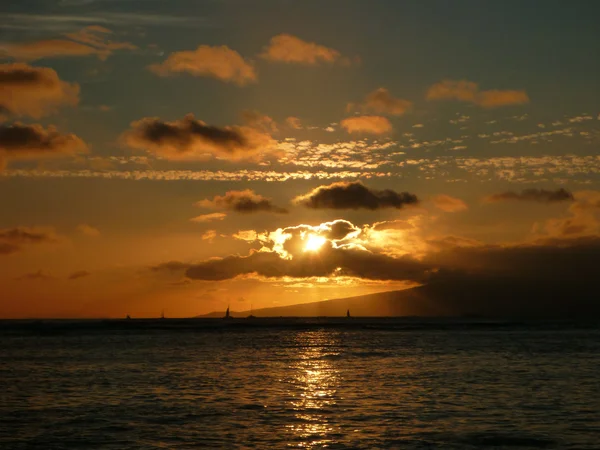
(533, 195)
(220, 62)
(189, 139)
(91, 40)
(354, 195)
(33, 91)
(291, 49)
(19, 141)
(381, 101)
(79, 274)
(245, 202)
(367, 124)
(449, 204)
(209, 217)
(467, 91)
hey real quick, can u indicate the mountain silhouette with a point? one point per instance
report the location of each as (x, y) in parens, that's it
(493, 297)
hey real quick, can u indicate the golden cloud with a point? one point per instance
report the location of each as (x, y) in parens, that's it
(209, 217)
(291, 49)
(381, 101)
(467, 91)
(449, 204)
(260, 121)
(33, 91)
(294, 122)
(367, 124)
(220, 62)
(192, 139)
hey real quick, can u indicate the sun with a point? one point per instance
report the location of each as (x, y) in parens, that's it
(314, 243)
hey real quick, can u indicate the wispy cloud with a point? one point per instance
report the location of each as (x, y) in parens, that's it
(66, 22)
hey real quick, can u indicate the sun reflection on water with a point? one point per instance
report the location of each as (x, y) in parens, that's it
(313, 389)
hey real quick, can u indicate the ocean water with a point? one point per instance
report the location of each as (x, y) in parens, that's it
(304, 383)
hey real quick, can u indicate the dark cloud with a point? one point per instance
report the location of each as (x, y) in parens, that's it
(171, 266)
(533, 195)
(20, 141)
(39, 275)
(190, 138)
(79, 274)
(327, 262)
(12, 240)
(245, 202)
(33, 91)
(354, 195)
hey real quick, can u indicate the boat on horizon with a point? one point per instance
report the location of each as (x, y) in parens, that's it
(227, 316)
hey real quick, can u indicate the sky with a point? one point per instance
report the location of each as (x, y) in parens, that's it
(187, 155)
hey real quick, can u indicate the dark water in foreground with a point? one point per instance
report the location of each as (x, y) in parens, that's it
(299, 383)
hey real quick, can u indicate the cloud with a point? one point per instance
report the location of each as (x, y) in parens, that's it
(354, 195)
(325, 263)
(381, 101)
(246, 235)
(583, 219)
(467, 91)
(90, 40)
(449, 204)
(546, 276)
(189, 139)
(294, 122)
(533, 195)
(40, 275)
(209, 235)
(367, 124)
(209, 217)
(33, 91)
(13, 240)
(19, 141)
(291, 49)
(79, 274)
(259, 121)
(221, 63)
(245, 202)
(171, 266)
(88, 230)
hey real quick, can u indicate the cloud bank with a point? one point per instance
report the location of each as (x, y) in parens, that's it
(354, 195)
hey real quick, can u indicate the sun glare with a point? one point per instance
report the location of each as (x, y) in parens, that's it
(314, 243)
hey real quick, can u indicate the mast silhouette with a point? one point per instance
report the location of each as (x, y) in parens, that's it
(227, 316)
(348, 313)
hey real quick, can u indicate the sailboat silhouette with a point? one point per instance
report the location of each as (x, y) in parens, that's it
(348, 313)
(251, 316)
(227, 316)
(162, 314)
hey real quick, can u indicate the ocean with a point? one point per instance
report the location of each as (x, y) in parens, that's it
(299, 383)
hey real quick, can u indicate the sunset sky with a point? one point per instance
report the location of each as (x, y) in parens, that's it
(189, 155)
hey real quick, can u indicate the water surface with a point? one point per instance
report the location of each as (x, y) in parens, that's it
(305, 383)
